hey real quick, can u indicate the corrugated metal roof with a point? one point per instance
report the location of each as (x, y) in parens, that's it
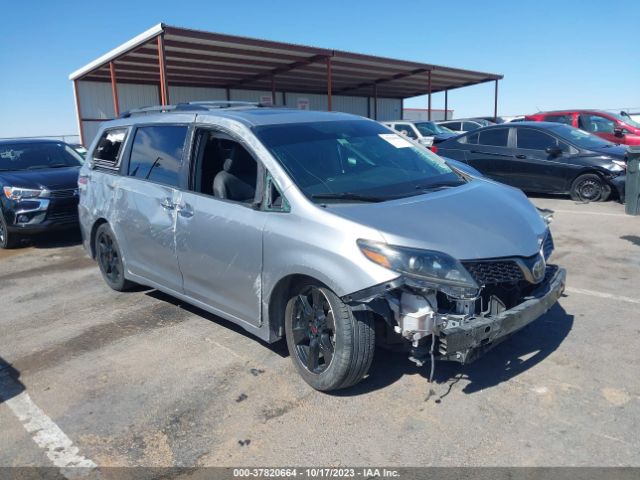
(198, 58)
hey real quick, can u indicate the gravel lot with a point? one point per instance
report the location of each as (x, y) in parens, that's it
(139, 379)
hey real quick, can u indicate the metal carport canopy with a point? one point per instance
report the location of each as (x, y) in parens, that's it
(166, 55)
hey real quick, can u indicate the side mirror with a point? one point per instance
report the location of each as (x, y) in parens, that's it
(554, 151)
(619, 131)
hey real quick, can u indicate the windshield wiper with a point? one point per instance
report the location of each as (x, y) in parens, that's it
(438, 186)
(348, 196)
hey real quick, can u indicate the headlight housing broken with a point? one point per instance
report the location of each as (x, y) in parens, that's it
(427, 267)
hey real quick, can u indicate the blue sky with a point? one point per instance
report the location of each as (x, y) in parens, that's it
(553, 54)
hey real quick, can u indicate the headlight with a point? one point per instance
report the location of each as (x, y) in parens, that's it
(436, 268)
(17, 193)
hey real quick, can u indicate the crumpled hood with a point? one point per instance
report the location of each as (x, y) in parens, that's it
(481, 219)
(51, 178)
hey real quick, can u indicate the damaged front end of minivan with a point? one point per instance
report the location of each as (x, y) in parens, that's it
(456, 310)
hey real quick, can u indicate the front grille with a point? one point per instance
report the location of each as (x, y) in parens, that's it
(494, 272)
(69, 214)
(66, 193)
(547, 246)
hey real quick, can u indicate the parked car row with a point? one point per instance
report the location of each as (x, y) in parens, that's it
(543, 157)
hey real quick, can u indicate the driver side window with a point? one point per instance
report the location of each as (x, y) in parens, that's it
(223, 168)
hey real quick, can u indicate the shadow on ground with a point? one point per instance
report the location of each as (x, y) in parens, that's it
(279, 347)
(59, 239)
(515, 355)
(10, 384)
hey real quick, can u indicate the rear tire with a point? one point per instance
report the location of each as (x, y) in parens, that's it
(7, 239)
(330, 346)
(590, 188)
(109, 259)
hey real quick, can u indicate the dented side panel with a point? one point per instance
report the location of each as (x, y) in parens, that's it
(219, 248)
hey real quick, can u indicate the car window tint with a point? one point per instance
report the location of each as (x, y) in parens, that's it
(536, 140)
(596, 124)
(471, 139)
(568, 119)
(405, 129)
(468, 126)
(157, 153)
(108, 150)
(497, 137)
(452, 125)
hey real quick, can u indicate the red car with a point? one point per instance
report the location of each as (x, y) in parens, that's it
(610, 126)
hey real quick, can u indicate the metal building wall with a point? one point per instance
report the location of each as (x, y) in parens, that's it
(253, 95)
(96, 101)
(194, 94)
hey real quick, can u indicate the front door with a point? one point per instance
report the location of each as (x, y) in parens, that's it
(146, 196)
(219, 229)
(536, 170)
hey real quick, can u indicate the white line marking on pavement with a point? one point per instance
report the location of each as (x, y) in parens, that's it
(592, 213)
(45, 433)
(602, 295)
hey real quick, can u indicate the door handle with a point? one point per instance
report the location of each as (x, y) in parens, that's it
(521, 156)
(185, 210)
(167, 204)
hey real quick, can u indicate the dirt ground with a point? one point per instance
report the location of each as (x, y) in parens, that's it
(140, 379)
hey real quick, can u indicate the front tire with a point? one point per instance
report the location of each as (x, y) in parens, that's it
(330, 346)
(109, 259)
(7, 239)
(590, 188)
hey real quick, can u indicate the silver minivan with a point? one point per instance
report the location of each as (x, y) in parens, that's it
(327, 229)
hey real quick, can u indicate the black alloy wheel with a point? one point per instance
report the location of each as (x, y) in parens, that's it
(330, 345)
(313, 329)
(110, 259)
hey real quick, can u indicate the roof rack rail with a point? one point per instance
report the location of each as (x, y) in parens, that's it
(189, 107)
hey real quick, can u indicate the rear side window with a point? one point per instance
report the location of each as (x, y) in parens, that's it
(156, 154)
(452, 125)
(468, 126)
(568, 119)
(497, 137)
(107, 153)
(406, 130)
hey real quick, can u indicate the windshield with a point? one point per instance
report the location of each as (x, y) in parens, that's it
(580, 138)
(626, 119)
(430, 128)
(354, 160)
(34, 156)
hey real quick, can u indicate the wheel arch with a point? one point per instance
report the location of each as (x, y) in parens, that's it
(92, 235)
(278, 297)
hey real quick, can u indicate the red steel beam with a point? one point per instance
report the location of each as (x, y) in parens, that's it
(429, 93)
(495, 103)
(114, 89)
(329, 85)
(78, 113)
(273, 90)
(446, 103)
(164, 90)
(375, 101)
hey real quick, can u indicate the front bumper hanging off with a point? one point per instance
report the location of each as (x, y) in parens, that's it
(466, 342)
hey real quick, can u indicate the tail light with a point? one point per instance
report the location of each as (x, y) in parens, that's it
(434, 149)
(83, 180)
